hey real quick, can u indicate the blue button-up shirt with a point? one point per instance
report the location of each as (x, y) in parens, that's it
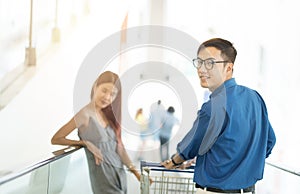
(231, 138)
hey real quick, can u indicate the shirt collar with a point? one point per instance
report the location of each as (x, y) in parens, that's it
(223, 87)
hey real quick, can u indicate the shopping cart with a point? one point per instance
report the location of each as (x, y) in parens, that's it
(165, 181)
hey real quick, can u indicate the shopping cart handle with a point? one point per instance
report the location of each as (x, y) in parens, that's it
(150, 164)
(158, 165)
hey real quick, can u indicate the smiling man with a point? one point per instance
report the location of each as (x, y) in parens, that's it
(231, 136)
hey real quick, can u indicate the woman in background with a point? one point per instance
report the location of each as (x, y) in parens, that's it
(142, 123)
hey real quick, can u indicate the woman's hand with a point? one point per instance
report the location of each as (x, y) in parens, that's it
(95, 151)
(138, 175)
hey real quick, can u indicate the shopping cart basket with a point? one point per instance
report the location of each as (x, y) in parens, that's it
(165, 181)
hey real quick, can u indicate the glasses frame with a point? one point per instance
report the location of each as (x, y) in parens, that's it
(206, 65)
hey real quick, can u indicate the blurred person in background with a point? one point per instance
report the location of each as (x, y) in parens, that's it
(142, 123)
(156, 120)
(165, 132)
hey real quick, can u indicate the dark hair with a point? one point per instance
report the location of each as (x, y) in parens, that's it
(112, 111)
(228, 52)
(171, 109)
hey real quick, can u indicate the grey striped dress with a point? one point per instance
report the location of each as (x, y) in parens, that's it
(109, 177)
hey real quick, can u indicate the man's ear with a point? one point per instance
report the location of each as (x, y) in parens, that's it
(229, 67)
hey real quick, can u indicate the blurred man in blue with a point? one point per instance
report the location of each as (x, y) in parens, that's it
(231, 136)
(166, 132)
(156, 120)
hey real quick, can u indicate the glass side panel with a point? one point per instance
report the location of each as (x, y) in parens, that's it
(70, 175)
(66, 175)
(35, 182)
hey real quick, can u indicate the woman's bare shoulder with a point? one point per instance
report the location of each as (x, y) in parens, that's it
(82, 117)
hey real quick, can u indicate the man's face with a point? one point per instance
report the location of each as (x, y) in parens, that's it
(220, 72)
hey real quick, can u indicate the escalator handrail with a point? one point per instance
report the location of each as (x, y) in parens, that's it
(57, 155)
(283, 169)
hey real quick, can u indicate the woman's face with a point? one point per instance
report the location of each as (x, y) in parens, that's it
(104, 95)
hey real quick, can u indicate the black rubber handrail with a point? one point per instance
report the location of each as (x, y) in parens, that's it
(57, 155)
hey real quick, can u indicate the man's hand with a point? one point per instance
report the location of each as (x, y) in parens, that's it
(187, 164)
(174, 162)
(168, 164)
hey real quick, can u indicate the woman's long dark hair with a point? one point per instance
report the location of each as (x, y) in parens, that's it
(112, 111)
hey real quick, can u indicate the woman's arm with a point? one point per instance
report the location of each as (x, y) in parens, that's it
(126, 160)
(59, 137)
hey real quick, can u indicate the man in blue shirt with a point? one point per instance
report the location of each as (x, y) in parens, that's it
(231, 136)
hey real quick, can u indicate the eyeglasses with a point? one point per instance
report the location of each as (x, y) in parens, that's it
(208, 63)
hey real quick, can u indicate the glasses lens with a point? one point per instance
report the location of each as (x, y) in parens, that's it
(197, 63)
(209, 63)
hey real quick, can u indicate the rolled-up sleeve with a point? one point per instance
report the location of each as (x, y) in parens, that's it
(270, 132)
(271, 140)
